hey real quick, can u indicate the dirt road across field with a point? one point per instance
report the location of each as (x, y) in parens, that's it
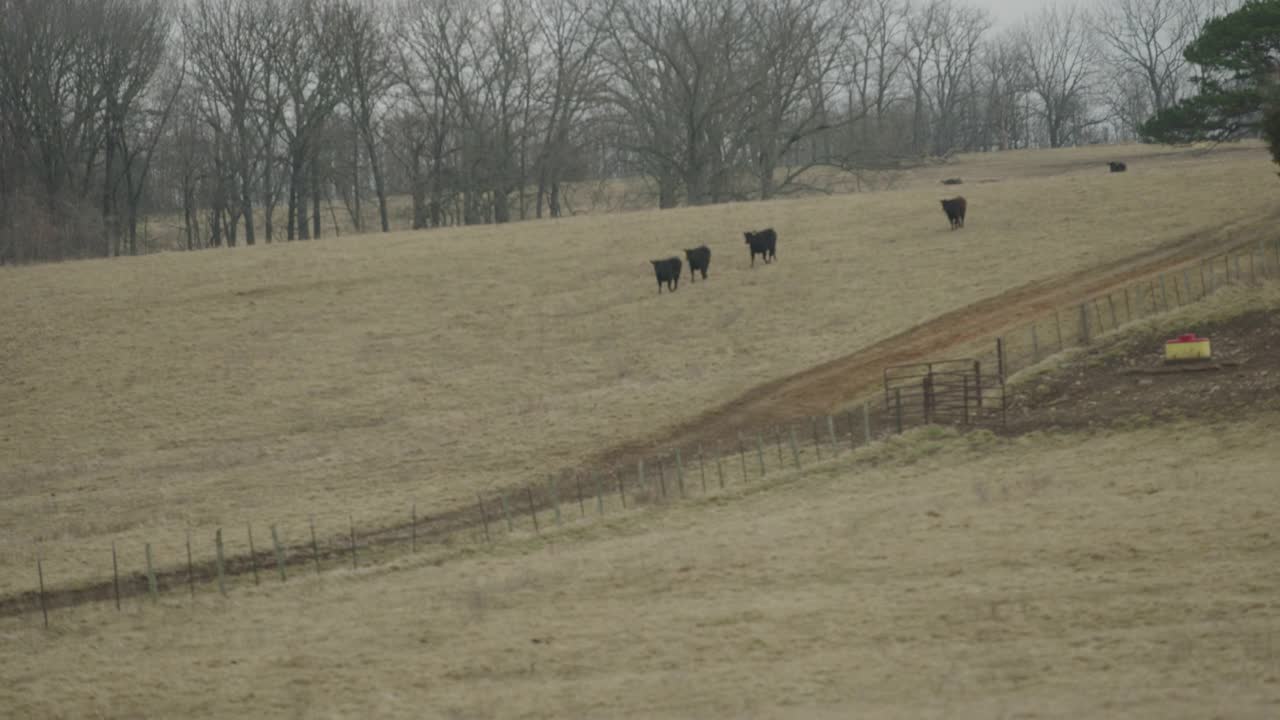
(819, 390)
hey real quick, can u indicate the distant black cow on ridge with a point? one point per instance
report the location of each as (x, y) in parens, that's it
(955, 208)
(668, 271)
(699, 261)
(1117, 166)
(764, 244)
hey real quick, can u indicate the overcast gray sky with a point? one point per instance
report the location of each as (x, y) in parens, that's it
(1010, 12)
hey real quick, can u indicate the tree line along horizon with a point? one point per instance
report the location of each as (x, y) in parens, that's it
(245, 119)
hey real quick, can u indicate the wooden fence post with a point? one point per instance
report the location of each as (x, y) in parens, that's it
(853, 439)
(275, 541)
(897, 399)
(1057, 323)
(151, 576)
(351, 520)
(720, 467)
(866, 422)
(253, 554)
(315, 548)
(44, 609)
(777, 441)
(533, 512)
(928, 396)
(662, 477)
(742, 453)
(1035, 345)
(817, 442)
(977, 382)
(555, 498)
(680, 472)
(831, 433)
(599, 492)
(622, 490)
(1164, 293)
(760, 452)
(999, 368)
(1115, 323)
(484, 518)
(795, 449)
(640, 474)
(506, 508)
(1239, 275)
(222, 578)
(191, 575)
(115, 574)
(1186, 281)
(702, 469)
(1084, 325)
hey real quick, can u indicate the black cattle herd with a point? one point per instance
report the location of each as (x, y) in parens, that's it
(765, 242)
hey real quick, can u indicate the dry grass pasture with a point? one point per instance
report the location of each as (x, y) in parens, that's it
(1122, 575)
(147, 396)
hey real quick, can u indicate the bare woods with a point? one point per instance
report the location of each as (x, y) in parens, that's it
(128, 126)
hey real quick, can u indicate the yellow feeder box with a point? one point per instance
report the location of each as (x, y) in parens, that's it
(1186, 347)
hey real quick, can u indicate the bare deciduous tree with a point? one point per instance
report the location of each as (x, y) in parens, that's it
(368, 56)
(571, 36)
(956, 44)
(674, 84)
(311, 75)
(1005, 81)
(228, 50)
(1145, 38)
(879, 27)
(1061, 64)
(73, 74)
(802, 47)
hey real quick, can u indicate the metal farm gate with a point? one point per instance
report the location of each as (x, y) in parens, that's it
(944, 392)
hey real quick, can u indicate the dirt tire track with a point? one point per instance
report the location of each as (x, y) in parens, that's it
(818, 390)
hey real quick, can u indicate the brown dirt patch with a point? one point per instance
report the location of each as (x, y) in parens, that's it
(1126, 383)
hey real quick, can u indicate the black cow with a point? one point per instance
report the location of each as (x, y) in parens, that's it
(764, 244)
(668, 271)
(1117, 166)
(953, 181)
(699, 260)
(954, 208)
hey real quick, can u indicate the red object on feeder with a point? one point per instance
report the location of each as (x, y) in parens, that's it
(1187, 347)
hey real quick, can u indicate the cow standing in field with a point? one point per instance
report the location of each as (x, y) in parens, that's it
(1117, 166)
(699, 260)
(954, 208)
(764, 244)
(668, 271)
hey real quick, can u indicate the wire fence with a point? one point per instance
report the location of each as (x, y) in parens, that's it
(968, 390)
